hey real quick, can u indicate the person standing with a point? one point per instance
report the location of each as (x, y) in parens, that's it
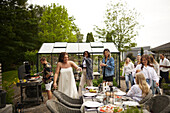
(155, 65)
(138, 58)
(87, 72)
(164, 71)
(47, 76)
(127, 70)
(147, 70)
(107, 66)
(66, 84)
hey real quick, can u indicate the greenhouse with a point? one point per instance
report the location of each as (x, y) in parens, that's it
(75, 50)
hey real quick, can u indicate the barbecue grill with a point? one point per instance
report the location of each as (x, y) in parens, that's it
(32, 86)
(24, 71)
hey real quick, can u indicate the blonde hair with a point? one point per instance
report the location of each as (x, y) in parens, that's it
(141, 81)
(152, 60)
(126, 59)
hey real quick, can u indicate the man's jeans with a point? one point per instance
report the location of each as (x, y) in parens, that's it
(127, 78)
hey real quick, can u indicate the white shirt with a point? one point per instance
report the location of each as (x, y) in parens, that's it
(156, 68)
(84, 63)
(148, 72)
(135, 92)
(165, 62)
(127, 69)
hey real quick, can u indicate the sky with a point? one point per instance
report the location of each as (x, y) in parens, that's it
(155, 17)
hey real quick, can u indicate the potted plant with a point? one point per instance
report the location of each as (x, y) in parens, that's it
(166, 87)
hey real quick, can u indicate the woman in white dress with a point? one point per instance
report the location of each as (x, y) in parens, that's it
(66, 84)
(140, 89)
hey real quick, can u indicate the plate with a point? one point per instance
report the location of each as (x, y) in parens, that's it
(90, 94)
(130, 103)
(92, 104)
(91, 87)
(100, 98)
(110, 109)
(33, 78)
(120, 93)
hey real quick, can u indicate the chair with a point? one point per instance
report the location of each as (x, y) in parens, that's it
(57, 107)
(68, 101)
(147, 97)
(159, 104)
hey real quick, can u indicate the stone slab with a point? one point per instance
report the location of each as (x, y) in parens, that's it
(6, 109)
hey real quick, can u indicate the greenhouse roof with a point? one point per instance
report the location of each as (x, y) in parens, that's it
(92, 47)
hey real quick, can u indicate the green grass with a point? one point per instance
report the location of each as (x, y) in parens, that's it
(8, 80)
(9, 76)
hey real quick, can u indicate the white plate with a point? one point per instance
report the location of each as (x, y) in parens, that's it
(99, 97)
(130, 103)
(92, 104)
(91, 87)
(120, 93)
(90, 94)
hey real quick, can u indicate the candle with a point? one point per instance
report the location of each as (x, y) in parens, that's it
(111, 100)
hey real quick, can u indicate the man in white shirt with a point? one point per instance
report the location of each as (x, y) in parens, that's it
(164, 69)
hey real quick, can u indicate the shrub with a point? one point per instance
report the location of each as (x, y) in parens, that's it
(9, 80)
(97, 82)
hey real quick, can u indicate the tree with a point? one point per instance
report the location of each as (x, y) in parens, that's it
(130, 55)
(19, 32)
(109, 37)
(121, 26)
(31, 56)
(90, 37)
(141, 51)
(79, 37)
(56, 25)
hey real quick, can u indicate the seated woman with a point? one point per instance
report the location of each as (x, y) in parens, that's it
(140, 89)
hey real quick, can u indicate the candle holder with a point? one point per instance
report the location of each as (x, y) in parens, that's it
(118, 100)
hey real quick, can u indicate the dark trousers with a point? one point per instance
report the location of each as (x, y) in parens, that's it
(164, 75)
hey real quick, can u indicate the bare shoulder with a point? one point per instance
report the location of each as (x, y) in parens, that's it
(59, 64)
(70, 62)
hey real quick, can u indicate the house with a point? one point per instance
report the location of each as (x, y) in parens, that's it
(136, 51)
(162, 49)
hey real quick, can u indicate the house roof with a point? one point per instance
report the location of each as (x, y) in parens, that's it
(164, 47)
(92, 47)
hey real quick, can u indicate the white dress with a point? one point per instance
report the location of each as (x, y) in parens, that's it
(67, 83)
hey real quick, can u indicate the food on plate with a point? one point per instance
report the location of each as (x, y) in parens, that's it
(34, 78)
(92, 91)
(110, 109)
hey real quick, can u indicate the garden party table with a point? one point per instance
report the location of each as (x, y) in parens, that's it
(105, 101)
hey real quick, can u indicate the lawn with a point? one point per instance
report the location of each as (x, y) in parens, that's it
(9, 76)
(9, 80)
